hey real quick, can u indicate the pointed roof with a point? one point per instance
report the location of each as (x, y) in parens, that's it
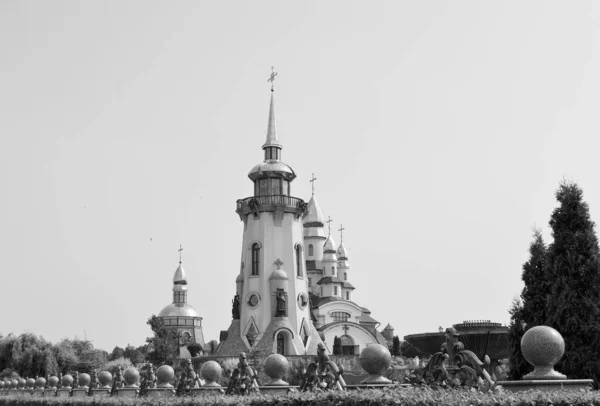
(272, 140)
(329, 245)
(315, 215)
(388, 327)
(179, 277)
(342, 253)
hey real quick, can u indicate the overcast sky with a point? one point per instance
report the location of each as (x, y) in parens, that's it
(438, 131)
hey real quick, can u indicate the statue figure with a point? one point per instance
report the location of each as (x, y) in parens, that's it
(244, 379)
(94, 383)
(148, 378)
(75, 380)
(235, 307)
(60, 376)
(281, 310)
(323, 374)
(117, 382)
(189, 379)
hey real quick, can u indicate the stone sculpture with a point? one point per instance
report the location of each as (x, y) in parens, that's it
(243, 379)
(281, 310)
(323, 374)
(235, 307)
(117, 382)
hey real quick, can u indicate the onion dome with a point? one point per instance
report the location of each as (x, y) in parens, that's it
(178, 309)
(270, 167)
(341, 252)
(179, 276)
(329, 245)
(279, 274)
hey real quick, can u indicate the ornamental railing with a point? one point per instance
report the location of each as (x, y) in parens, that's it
(269, 203)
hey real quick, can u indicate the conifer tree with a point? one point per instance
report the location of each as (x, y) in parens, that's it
(573, 273)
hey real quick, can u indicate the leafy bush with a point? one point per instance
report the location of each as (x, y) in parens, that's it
(389, 396)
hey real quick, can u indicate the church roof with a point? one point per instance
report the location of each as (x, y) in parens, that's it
(311, 264)
(388, 327)
(318, 301)
(342, 253)
(329, 279)
(272, 165)
(272, 140)
(179, 275)
(314, 218)
(348, 285)
(178, 310)
(367, 319)
(329, 244)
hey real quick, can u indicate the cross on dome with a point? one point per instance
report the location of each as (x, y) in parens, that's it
(312, 181)
(329, 223)
(341, 230)
(180, 249)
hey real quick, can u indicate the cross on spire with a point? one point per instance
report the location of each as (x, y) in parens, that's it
(341, 230)
(272, 77)
(329, 223)
(312, 181)
(180, 249)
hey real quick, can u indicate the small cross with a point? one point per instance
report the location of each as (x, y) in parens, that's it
(329, 222)
(180, 249)
(272, 77)
(341, 230)
(345, 328)
(312, 181)
(279, 262)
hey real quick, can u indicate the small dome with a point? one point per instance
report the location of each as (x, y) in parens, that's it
(272, 165)
(279, 274)
(240, 278)
(314, 217)
(329, 245)
(179, 275)
(174, 310)
(341, 251)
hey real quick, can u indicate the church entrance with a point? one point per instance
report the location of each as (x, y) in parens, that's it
(347, 345)
(280, 344)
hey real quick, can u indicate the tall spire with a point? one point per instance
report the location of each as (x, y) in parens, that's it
(272, 140)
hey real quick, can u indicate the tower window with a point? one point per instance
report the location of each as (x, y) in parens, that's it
(332, 271)
(309, 282)
(335, 289)
(345, 276)
(310, 250)
(255, 260)
(340, 316)
(299, 260)
(347, 295)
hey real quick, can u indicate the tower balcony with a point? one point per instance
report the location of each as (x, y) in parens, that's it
(270, 203)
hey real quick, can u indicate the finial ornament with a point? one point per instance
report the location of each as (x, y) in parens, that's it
(329, 223)
(279, 262)
(341, 230)
(312, 181)
(180, 249)
(272, 77)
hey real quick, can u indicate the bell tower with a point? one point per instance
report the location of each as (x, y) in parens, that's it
(271, 310)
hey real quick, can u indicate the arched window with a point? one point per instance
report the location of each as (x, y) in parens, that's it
(332, 271)
(299, 260)
(345, 276)
(255, 260)
(310, 250)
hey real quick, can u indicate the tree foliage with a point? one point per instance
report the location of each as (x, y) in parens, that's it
(164, 342)
(573, 272)
(337, 346)
(396, 346)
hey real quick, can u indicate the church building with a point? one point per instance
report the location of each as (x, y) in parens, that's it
(182, 316)
(292, 290)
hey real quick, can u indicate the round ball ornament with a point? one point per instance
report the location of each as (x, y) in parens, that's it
(131, 376)
(276, 366)
(105, 378)
(211, 373)
(30, 383)
(53, 381)
(67, 381)
(40, 383)
(543, 347)
(375, 359)
(84, 380)
(165, 375)
(22, 383)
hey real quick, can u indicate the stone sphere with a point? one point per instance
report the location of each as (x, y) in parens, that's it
(14, 383)
(131, 376)
(105, 378)
(84, 379)
(165, 374)
(67, 380)
(276, 366)
(542, 346)
(1, 384)
(211, 372)
(21, 382)
(40, 382)
(30, 382)
(375, 359)
(53, 381)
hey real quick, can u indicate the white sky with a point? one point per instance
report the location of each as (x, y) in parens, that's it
(438, 131)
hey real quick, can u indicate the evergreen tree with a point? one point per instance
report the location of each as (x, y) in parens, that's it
(396, 345)
(573, 271)
(337, 346)
(530, 310)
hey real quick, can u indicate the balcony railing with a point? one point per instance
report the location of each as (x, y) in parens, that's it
(257, 204)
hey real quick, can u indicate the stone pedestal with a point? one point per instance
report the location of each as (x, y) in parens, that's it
(79, 393)
(50, 392)
(161, 393)
(206, 391)
(101, 392)
(38, 393)
(127, 392)
(63, 393)
(278, 390)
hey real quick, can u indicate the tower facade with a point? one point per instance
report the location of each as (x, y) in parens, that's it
(271, 311)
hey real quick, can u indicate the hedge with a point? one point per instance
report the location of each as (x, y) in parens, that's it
(389, 396)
